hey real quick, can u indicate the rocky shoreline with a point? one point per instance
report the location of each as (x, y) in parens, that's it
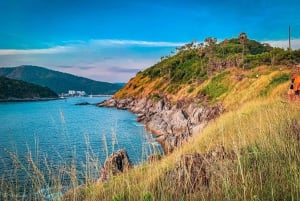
(173, 124)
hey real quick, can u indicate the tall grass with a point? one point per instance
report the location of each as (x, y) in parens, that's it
(263, 139)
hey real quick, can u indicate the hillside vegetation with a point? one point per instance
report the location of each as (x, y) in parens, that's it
(250, 152)
(187, 72)
(19, 90)
(58, 81)
(259, 158)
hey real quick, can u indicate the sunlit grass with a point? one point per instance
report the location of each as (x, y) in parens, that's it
(262, 136)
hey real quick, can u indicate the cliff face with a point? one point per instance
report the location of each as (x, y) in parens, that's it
(173, 124)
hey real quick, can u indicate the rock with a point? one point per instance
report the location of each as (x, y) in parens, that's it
(176, 123)
(83, 103)
(141, 117)
(117, 163)
(108, 103)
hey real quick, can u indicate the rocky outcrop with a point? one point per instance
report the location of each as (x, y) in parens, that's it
(117, 163)
(173, 124)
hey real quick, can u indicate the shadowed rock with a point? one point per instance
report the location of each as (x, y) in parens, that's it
(118, 162)
(83, 103)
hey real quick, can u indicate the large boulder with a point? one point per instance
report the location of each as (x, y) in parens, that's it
(118, 162)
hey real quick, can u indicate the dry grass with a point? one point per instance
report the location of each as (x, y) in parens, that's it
(262, 135)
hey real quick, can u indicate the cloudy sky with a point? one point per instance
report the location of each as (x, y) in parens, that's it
(113, 40)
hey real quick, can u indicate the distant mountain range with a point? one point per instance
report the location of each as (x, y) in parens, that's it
(11, 89)
(57, 81)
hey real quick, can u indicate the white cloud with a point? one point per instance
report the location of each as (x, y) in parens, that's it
(295, 43)
(52, 50)
(113, 42)
(78, 46)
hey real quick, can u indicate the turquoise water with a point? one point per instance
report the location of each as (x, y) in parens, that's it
(58, 133)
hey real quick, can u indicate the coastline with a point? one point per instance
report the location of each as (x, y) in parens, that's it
(172, 124)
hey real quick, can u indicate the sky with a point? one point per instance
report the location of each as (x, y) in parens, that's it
(113, 40)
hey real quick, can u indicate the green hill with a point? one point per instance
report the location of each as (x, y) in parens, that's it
(194, 63)
(19, 90)
(58, 81)
(248, 152)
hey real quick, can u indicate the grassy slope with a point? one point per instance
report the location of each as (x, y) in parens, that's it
(260, 127)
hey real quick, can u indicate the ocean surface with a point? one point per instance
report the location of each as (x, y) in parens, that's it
(50, 138)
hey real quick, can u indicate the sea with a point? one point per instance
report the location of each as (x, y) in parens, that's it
(49, 147)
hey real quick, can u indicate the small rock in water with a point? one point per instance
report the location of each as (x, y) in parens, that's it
(83, 103)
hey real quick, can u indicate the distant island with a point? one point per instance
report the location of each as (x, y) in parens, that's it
(17, 90)
(57, 81)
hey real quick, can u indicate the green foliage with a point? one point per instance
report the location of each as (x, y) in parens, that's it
(259, 59)
(275, 82)
(147, 196)
(194, 63)
(181, 68)
(228, 48)
(215, 88)
(16, 89)
(118, 197)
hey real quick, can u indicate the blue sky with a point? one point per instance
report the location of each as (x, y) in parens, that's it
(112, 40)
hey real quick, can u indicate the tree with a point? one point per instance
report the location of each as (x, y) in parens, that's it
(243, 39)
